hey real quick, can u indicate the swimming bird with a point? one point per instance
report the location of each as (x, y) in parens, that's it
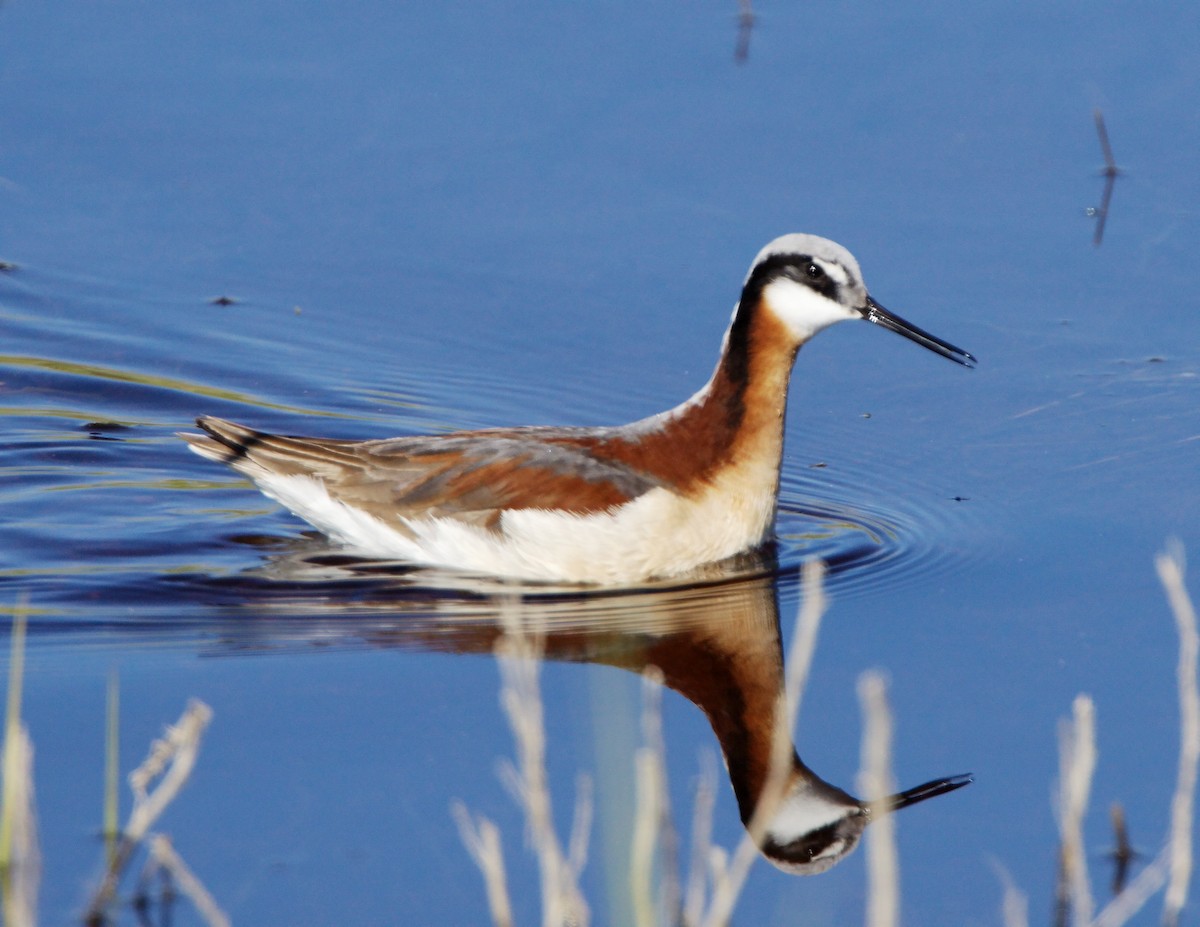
(611, 505)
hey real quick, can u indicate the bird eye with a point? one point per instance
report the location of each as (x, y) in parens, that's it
(814, 271)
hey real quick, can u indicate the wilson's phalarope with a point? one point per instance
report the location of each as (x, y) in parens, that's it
(654, 498)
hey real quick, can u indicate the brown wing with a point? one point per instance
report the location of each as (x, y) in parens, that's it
(472, 476)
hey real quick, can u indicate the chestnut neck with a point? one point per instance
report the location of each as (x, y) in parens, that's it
(736, 419)
(731, 667)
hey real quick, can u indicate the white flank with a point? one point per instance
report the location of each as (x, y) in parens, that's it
(658, 534)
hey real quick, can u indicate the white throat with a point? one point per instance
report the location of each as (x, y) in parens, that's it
(802, 310)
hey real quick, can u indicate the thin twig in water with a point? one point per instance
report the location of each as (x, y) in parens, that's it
(741, 52)
(1145, 885)
(144, 894)
(1110, 172)
(1122, 853)
(875, 783)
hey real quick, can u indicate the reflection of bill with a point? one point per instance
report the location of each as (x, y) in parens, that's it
(717, 644)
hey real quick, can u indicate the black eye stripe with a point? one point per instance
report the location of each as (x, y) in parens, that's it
(808, 846)
(812, 275)
(794, 266)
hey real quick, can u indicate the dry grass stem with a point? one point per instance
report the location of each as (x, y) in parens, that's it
(875, 783)
(112, 767)
(481, 837)
(804, 645)
(1077, 762)
(12, 729)
(22, 861)
(654, 820)
(169, 762)
(20, 857)
(728, 887)
(1014, 907)
(1077, 758)
(165, 856)
(1170, 570)
(518, 653)
(651, 812)
(696, 892)
(729, 874)
(581, 825)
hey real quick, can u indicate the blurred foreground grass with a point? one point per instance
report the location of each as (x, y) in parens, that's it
(660, 894)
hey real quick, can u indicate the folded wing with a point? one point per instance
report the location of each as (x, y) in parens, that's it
(468, 476)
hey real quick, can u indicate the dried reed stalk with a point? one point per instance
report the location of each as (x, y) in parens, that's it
(170, 761)
(702, 849)
(164, 855)
(20, 857)
(875, 783)
(1173, 865)
(481, 837)
(1170, 571)
(1014, 907)
(518, 654)
(1076, 764)
(650, 807)
(22, 862)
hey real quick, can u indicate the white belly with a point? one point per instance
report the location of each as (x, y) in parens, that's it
(659, 534)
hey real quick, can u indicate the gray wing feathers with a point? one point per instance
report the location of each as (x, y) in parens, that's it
(472, 476)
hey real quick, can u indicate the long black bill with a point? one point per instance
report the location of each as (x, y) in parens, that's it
(880, 316)
(921, 792)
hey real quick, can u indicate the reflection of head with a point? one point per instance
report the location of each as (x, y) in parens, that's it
(717, 643)
(817, 824)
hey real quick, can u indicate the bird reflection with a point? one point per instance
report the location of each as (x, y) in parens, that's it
(716, 642)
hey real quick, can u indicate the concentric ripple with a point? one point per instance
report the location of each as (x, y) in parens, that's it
(870, 534)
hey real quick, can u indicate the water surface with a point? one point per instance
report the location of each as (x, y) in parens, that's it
(429, 219)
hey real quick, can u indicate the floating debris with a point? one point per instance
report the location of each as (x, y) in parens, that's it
(103, 431)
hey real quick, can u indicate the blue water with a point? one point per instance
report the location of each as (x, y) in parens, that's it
(433, 218)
